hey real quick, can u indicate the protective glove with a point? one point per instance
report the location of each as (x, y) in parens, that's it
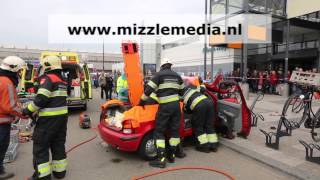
(26, 112)
(142, 103)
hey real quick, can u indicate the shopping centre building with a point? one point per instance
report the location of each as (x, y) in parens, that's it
(295, 40)
(98, 61)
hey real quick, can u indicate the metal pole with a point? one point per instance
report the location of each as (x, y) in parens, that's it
(245, 47)
(318, 46)
(286, 60)
(212, 47)
(285, 92)
(205, 42)
(241, 64)
(245, 62)
(103, 55)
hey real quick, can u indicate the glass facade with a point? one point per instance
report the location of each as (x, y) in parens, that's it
(304, 35)
(274, 7)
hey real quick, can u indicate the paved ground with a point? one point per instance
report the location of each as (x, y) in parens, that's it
(291, 155)
(97, 162)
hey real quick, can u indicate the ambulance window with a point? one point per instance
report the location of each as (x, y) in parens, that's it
(64, 58)
(29, 72)
(40, 71)
(72, 58)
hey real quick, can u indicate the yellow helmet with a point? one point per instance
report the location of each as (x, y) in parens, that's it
(50, 63)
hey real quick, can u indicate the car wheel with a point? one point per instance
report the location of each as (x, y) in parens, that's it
(147, 149)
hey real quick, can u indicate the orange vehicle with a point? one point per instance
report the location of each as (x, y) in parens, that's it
(130, 127)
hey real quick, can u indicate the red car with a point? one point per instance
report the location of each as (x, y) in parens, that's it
(134, 134)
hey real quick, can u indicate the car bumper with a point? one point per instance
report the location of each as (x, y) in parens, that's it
(118, 140)
(76, 103)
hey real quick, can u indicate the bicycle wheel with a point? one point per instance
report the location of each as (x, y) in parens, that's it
(315, 131)
(293, 100)
(297, 106)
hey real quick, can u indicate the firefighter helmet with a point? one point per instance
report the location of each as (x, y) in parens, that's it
(12, 63)
(50, 63)
(165, 61)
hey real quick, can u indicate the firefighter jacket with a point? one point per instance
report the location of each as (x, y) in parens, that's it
(166, 84)
(51, 98)
(9, 108)
(191, 97)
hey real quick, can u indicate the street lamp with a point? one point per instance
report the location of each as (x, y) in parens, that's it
(205, 42)
(103, 54)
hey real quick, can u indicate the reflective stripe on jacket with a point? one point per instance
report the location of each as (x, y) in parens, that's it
(166, 84)
(191, 97)
(8, 101)
(51, 98)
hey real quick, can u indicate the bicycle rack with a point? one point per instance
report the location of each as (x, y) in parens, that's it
(256, 116)
(280, 132)
(309, 151)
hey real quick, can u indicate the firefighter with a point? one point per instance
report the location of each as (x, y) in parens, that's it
(167, 85)
(202, 110)
(9, 109)
(51, 126)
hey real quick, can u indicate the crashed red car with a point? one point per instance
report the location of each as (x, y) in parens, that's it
(135, 133)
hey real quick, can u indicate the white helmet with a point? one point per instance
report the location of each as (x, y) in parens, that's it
(165, 61)
(50, 63)
(12, 63)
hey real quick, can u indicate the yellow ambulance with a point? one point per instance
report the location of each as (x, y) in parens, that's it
(77, 76)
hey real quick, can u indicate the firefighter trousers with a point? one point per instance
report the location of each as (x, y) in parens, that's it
(50, 134)
(4, 142)
(168, 118)
(202, 122)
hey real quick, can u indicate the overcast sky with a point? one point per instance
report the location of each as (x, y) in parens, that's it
(24, 22)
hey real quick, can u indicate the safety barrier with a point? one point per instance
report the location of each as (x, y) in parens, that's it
(310, 151)
(254, 115)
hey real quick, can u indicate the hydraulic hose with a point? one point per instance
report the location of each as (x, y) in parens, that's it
(84, 142)
(184, 168)
(161, 171)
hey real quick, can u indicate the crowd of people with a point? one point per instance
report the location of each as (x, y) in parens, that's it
(267, 81)
(111, 83)
(106, 84)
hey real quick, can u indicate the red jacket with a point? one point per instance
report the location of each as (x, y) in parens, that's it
(8, 102)
(273, 79)
(260, 82)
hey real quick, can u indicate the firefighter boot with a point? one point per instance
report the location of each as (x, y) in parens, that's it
(35, 177)
(59, 175)
(213, 147)
(160, 162)
(171, 154)
(203, 148)
(179, 153)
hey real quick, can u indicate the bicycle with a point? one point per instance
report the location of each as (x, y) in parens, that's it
(303, 102)
(310, 119)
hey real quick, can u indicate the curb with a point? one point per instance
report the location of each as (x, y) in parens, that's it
(292, 171)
